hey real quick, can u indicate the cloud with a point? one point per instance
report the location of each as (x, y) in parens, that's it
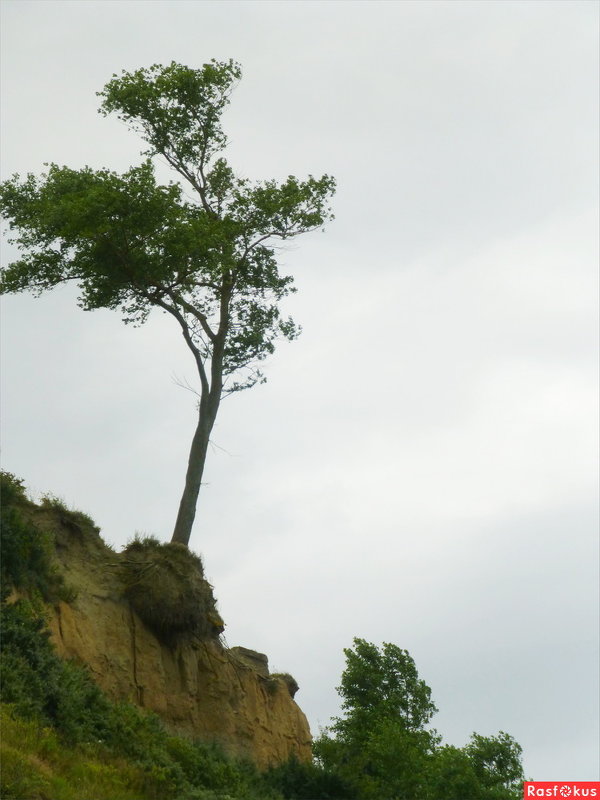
(421, 466)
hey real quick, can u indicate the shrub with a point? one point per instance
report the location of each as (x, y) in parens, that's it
(305, 781)
(63, 738)
(42, 686)
(26, 552)
(165, 585)
(37, 765)
(20, 779)
(12, 491)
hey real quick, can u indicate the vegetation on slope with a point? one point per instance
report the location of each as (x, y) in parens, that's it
(165, 584)
(63, 739)
(384, 748)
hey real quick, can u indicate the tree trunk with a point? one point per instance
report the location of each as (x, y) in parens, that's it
(210, 400)
(193, 480)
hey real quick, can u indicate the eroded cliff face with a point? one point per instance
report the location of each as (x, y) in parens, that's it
(198, 687)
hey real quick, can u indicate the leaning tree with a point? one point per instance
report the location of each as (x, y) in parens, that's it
(201, 248)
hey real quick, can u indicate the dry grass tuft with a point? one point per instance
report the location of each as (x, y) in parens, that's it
(166, 587)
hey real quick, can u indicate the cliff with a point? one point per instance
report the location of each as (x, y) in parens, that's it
(199, 687)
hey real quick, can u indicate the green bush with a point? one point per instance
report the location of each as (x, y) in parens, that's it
(165, 585)
(20, 779)
(37, 765)
(305, 781)
(42, 686)
(12, 491)
(67, 740)
(26, 553)
(383, 745)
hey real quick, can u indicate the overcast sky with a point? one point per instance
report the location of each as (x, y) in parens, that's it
(421, 467)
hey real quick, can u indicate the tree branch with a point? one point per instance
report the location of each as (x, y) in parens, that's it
(176, 298)
(179, 167)
(188, 339)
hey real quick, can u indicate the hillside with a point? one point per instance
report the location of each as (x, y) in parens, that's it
(116, 685)
(180, 670)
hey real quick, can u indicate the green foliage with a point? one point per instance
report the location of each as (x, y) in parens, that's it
(384, 750)
(64, 740)
(301, 781)
(381, 745)
(497, 763)
(26, 552)
(393, 762)
(451, 776)
(86, 736)
(72, 519)
(12, 491)
(384, 684)
(105, 750)
(19, 778)
(40, 685)
(175, 107)
(132, 244)
(38, 765)
(165, 585)
(206, 257)
(70, 220)
(137, 760)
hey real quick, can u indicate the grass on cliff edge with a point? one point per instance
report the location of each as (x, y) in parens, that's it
(165, 584)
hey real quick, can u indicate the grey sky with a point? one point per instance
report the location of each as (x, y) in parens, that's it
(421, 467)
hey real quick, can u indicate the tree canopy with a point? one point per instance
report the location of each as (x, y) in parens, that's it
(201, 248)
(383, 683)
(383, 748)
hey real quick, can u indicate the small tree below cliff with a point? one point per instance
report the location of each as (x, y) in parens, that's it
(206, 258)
(384, 749)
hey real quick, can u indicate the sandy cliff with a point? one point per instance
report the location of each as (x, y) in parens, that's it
(197, 686)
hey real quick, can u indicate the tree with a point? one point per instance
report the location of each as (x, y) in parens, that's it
(208, 259)
(451, 775)
(306, 781)
(384, 750)
(497, 763)
(382, 744)
(383, 684)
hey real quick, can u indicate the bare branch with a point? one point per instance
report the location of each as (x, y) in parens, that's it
(188, 340)
(185, 384)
